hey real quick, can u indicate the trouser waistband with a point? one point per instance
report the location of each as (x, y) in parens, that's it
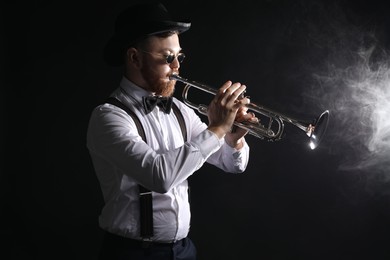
(129, 242)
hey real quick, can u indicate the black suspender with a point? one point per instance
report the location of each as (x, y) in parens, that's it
(116, 102)
(146, 203)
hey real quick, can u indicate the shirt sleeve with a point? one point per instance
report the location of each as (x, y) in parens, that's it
(114, 142)
(230, 159)
(225, 157)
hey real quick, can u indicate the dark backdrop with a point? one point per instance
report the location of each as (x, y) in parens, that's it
(297, 57)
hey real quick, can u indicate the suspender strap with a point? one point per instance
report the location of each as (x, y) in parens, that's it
(180, 118)
(146, 202)
(116, 102)
(146, 212)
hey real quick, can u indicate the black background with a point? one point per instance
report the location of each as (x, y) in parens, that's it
(291, 203)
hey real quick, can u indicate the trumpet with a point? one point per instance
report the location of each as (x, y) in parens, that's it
(273, 131)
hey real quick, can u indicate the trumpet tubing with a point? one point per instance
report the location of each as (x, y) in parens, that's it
(274, 128)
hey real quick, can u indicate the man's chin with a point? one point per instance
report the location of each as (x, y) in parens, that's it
(167, 88)
(168, 92)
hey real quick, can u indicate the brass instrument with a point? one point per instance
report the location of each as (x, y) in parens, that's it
(270, 132)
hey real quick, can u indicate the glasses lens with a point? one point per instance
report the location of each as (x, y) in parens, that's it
(170, 58)
(180, 57)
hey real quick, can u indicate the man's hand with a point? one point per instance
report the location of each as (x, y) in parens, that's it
(235, 137)
(223, 111)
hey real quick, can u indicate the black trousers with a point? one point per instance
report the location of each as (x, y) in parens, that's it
(120, 248)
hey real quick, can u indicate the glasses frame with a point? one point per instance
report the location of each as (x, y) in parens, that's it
(169, 58)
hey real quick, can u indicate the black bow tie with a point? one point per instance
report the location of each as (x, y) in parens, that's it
(150, 102)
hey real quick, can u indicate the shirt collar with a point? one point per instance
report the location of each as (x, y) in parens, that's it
(133, 90)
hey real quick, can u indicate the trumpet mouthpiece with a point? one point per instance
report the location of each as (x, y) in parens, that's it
(174, 76)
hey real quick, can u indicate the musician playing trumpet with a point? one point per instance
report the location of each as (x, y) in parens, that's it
(143, 138)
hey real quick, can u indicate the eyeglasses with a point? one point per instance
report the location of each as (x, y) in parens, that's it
(169, 58)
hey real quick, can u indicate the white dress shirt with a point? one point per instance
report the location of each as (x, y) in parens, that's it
(122, 160)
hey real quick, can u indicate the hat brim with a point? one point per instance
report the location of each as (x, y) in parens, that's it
(117, 44)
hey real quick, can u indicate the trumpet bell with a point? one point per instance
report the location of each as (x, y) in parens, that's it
(319, 129)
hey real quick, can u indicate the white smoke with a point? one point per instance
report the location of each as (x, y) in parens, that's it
(352, 80)
(359, 100)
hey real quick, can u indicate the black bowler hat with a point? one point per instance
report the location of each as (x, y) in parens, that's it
(138, 21)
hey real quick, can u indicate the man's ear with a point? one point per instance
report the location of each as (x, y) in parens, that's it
(132, 57)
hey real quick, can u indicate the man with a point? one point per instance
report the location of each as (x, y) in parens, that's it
(138, 147)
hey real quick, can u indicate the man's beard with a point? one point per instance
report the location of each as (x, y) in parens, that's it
(157, 85)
